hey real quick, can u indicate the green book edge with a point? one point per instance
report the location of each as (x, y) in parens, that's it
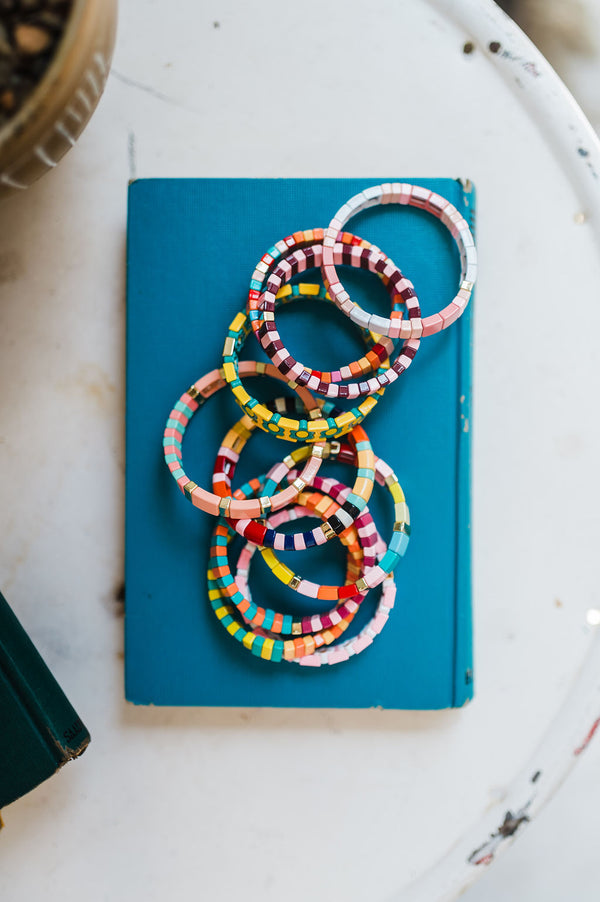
(39, 728)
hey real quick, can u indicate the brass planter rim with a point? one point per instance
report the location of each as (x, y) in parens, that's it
(19, 123)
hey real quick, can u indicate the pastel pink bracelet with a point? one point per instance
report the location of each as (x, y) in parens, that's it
(396, 327)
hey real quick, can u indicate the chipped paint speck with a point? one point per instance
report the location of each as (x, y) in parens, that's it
(485, 853)
(590, 735)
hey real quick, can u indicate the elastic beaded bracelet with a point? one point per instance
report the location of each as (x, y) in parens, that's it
(281, 249)
(215, 504)
(342, 651)
(385, 476)
(326, 495)
(355, 537)
(395, 326)
(380, 347)
(315, 427)
(262, 312)
(222, 601)
(224, 470)
(374, 576)
(307, 504)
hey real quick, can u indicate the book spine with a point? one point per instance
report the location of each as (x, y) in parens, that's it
(463, 619)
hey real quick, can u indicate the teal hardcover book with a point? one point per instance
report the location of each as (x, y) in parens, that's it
(191, 249)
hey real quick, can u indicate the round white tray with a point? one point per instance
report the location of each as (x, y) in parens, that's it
(261, 804)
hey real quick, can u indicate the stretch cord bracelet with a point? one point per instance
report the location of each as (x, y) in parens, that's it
(373, 576)
(222, 600)
(262, 311)
(312, 428)
(341, 651)
(224, 471)
(356, 537)
(324, 496)
(396, 327)
(380, 348)
(307, 506)
(297, 241)
(292, 650)
(174, 432)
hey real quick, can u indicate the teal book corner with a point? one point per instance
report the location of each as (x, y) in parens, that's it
(192, 246)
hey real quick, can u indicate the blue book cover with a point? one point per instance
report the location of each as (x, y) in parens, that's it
(191, 249)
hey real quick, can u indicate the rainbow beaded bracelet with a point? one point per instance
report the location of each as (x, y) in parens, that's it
(341, 651)
(397, 546)
(381, 347)
(355, 537)
(352, 252)
(415, 326)
(174, 432)
(309, 503)
(374, 576)
(224, 470)
(255, 640)
(315, 427)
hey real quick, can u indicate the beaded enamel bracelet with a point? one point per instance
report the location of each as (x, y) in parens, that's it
(415, 326)
(385, 476)
(174, 432)
(374, 576)
(314, 427)
(380, 347)
(224, 470)
(354, 252)
(357, 538)
(221, 598)
(341, 651)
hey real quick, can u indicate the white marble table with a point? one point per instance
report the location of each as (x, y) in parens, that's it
(157, 807)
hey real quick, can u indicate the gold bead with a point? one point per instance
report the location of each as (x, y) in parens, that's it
(328, 530)
(189, 488)
(224, 505)
(229, 347)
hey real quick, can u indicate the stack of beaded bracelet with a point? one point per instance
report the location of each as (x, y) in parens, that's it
(351, 251)
(284, 494)
(314, 427)
(224, 470)
(258, 629)
(341, 651)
